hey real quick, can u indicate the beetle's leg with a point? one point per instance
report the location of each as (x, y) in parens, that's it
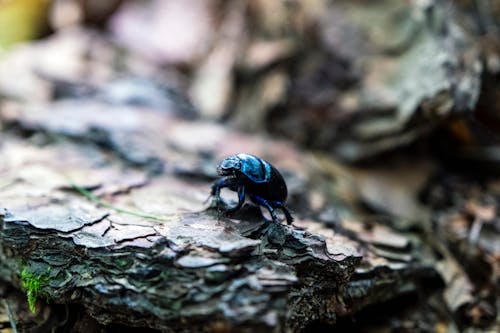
(241, 199)
(215, 192)
(230, 183)
(288, 215)
(265, 203)
(216, 187)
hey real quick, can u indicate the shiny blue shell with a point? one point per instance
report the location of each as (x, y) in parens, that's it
(256, 169)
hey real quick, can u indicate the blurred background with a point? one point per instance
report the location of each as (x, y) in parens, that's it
(396, 105)
(352, 78)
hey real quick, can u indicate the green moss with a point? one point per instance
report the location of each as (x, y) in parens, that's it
(34, 285)
(123, 263)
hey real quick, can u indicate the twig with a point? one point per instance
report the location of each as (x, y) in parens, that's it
(92, 197)
(11, 317)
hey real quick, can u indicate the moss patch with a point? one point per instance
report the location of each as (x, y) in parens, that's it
(34, 285)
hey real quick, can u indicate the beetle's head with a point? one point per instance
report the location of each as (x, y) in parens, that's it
(229, 166)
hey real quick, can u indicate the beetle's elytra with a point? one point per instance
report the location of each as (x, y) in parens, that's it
(251, 176)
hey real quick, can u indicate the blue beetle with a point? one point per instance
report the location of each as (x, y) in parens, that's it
(253, 177)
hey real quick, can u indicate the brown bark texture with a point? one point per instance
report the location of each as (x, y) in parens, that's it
(383, 117)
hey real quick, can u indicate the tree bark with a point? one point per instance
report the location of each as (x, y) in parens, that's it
(93, 218)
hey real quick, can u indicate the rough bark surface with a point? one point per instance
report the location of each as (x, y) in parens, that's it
(106, 163)
(112, 216)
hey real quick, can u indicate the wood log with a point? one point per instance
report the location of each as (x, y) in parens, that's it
(96, 222)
